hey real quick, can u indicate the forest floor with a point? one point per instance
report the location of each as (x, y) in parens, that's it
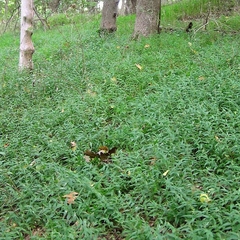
(169, 103)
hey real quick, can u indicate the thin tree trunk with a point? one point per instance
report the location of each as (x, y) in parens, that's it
(6, 8)
(109, 16)
(26, 44)
(147, 17)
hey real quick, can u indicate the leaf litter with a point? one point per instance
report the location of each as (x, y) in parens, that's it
(103, 153)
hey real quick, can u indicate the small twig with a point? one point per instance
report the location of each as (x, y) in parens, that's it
(43, 23)
(11, 17)
(203, 26)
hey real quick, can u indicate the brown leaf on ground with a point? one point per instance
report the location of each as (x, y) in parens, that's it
(90, 154)
(71, 197)
(36, 232)
(103, 149)
(153, 160)
(104, 154)
(112, 151)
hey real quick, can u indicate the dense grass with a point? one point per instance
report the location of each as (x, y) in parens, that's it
(215, 12)
(186, 9)
(179, 113)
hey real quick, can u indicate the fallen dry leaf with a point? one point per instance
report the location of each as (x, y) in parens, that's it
(104, 154)
(153, 160)
(6, 145)
(138, 66)
(33, 162)
(114, 79)
(73, 146)
(90, 154)
(103, 149)
(147, 46)
(204, 198)
(87, 158)
(165, 173)
(217, 139)
(71, 197)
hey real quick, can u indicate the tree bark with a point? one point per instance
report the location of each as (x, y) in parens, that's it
(130, 7)
(6, 8)
(109, 16)
(147, 17)
(26, 44)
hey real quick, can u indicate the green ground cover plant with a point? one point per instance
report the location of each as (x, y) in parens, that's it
(169, 103)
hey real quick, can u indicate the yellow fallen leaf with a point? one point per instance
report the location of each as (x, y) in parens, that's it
(87, 158)
(138, 66)
(204, 198)
(147, 46)
(33, 162)
(217, 139)
(73, 146)
(165, 173)
(201, 78)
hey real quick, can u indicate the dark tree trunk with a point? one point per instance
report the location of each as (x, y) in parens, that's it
(109, 16)
(147, 17)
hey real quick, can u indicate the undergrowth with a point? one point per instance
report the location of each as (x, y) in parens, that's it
(169, 103)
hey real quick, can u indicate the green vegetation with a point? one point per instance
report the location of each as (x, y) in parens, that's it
(174, 118)
(197, 9)
(201, 11)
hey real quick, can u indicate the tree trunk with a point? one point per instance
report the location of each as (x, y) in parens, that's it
(109, 16)
(6, 8)
(130, 7)
(147, 17)
(54, 4)
(26, 44)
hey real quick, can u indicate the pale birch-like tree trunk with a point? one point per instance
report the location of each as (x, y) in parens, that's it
(26, 44)
(109, 16)
(147, 17)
